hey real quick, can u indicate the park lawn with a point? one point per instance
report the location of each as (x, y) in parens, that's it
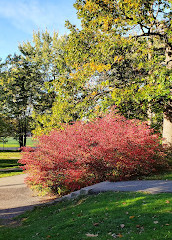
(14, 143)
(105, 216)
(10, 173)
(10, 155)
(9, 160)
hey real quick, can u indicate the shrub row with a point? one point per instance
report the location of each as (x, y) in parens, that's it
(109, 148)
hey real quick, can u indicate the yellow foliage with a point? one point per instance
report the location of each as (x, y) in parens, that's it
(96, 67)
(90, 6)
(116, 20)
(94, 93)
(118, 58)
(131, 3)
(109, 3)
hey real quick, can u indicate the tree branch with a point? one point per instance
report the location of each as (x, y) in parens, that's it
(150, 34)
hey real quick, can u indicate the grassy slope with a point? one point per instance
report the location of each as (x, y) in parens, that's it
(128, 215)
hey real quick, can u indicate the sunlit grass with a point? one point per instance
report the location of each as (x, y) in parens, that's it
(11, 142)
(10, 174)
(10, 155)
(104, 216)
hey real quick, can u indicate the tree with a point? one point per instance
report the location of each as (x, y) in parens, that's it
(27, 83)
(46, 52)
(143, 21)
(5, 129)
(21, 85)
(103, 62)
(6, 124)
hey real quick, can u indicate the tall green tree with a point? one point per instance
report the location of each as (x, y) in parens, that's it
(44, 54)
(143, 21)
(21, 85)
(103, 62)
(6, 124)
(96, 63)
(48, 54)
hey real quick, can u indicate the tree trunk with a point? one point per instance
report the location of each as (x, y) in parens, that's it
(149, 115)
(21, 139)
(167, 120)
(149, 111)
(20, 135)
(25, 132)
(167, 130)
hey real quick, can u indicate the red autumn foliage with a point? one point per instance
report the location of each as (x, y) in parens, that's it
(109, 148)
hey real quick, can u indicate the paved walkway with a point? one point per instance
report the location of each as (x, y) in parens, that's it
(149, 186)
(16, 198)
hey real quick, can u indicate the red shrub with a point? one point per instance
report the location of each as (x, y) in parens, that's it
(110, 148)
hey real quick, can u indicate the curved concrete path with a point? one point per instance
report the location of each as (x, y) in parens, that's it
(16, 197)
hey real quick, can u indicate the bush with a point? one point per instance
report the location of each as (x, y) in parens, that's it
(109, 148)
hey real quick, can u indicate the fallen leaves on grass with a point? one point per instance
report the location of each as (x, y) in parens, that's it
(114, 235)
(120, 235)
(48, 236)
(80, 215)
(91, 235)
(95, 224)
(122, 225)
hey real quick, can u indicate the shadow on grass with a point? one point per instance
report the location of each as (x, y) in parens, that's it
(9, 163)
(13, 212)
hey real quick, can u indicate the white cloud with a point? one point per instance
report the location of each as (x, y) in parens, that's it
(29, 15)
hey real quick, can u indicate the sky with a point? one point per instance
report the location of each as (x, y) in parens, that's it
(19, 18)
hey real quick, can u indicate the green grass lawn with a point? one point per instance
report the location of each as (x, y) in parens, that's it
(9, 160)
(10, 155)
(106, 216)
(14, 143)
